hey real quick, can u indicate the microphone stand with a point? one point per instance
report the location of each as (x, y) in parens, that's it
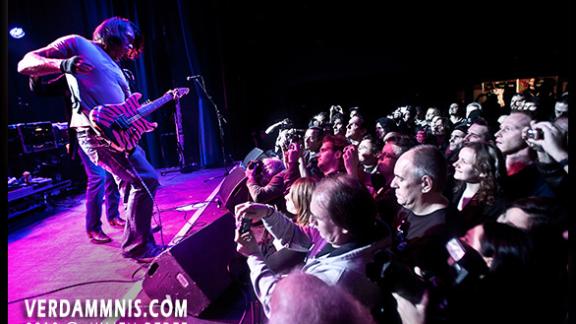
(221, 120)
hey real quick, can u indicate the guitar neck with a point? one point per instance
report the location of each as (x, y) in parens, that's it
(147, 109)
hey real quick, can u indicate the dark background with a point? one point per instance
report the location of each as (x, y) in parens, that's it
(266, 60)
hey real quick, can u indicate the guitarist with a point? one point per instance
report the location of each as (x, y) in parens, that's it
(95, 78)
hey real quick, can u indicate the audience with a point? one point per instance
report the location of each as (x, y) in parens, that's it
(406, 201)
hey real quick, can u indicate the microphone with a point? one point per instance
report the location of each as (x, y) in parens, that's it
(193, 77)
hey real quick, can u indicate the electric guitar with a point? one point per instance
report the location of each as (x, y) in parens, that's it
(123, 124)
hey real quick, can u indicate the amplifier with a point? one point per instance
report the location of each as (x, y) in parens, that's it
(37, 137)
(61, 134)
(14, 142)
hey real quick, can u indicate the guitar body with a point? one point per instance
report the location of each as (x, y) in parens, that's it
(123, 124)
(107, 122)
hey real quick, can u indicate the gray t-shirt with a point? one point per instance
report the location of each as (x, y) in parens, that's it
(105, 84)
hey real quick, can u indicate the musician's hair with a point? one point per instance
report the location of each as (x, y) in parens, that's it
(111, 30)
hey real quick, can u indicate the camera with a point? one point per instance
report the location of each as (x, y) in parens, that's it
(286, 124)
(468, 263)
(294, 136)
(245, 225)
(255, 165)
(534, 133)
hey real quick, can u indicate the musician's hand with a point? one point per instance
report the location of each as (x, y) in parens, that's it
(75, 64)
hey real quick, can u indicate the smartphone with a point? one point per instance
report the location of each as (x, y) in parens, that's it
(455, 249)
(245, 225)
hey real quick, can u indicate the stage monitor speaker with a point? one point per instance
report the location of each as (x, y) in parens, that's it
(255, 154)
(195, 269)
(233, 190)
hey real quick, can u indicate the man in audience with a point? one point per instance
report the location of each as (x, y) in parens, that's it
(344, 214)
(308, 163)
(368, 155)
(455, 113)
(420, 225)
(330, 156)
(523, 177)
(479, 131)
(356, 129)
(561, 106)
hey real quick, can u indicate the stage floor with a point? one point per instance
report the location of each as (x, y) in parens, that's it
(49, 250)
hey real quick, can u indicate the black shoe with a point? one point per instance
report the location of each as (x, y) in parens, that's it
(98, 237)
(147, 256)
(155, 229)
(117, 222)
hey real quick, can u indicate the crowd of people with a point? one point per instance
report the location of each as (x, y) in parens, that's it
(447, 216)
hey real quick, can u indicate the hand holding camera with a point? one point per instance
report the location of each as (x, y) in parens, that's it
(546, 137)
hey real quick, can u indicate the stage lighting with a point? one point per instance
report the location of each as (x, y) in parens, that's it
(17, 32)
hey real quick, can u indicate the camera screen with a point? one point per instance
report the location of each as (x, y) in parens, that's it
(455, 249)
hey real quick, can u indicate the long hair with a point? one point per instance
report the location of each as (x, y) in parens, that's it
(490, 161)
(509, 247)
(109, 33)
(301, 195)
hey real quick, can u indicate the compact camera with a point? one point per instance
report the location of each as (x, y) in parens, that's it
(255, 165)
(534, 133)
(245, 225)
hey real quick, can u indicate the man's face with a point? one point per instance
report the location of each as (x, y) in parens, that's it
(477, 133)
(430, 113)
(328, 157)
(366, 155)
(406, 185)
(509, 137)
(438, 127)
(464, 167)
(421, 136)
(312, 140)
(560, 108)
(387, 160)
(339, 127)
(453, 110)
(321, 220)
(121, 50)
(354, 129)
(456, 139)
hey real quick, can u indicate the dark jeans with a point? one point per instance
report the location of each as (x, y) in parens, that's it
(99, 184)
(134, 175)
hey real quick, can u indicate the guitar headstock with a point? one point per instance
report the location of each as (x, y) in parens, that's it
(178, 92)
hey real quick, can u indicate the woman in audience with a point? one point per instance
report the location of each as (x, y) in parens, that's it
(286, 254)
(479, 172)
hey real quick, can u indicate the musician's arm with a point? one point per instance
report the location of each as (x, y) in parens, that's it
(41, 62)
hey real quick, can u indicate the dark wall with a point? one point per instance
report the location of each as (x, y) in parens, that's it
(264, 60)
